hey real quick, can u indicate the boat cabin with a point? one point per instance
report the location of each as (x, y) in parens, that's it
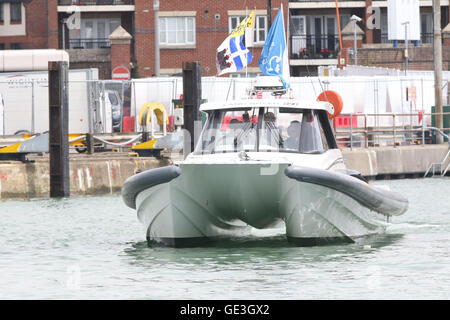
(267, 125)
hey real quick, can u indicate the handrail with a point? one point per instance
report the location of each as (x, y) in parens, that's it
(440, 164)
(119, 144)
(377, 131)
(446, 169)
(440, 132)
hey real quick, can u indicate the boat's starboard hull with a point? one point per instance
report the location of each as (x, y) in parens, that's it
(209, 201)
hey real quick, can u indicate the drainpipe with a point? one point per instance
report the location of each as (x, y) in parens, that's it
(157, 62)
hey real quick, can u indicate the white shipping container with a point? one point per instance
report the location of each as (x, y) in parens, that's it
(25, 97)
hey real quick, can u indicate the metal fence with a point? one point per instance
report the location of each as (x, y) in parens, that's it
(89, 43)
(94, 2)
(378, 110)
(425, 37)
(355, 132)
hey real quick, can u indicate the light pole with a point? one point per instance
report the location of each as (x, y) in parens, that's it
(437, 58)
(406, 23)
(355, 19)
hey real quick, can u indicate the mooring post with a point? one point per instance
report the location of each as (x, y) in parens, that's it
(192, 97)
(90, 143)
(58, 129)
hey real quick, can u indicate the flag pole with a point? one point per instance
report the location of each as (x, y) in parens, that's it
(338, 25)
(246, 53)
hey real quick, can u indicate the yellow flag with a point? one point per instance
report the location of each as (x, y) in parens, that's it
(246, 23)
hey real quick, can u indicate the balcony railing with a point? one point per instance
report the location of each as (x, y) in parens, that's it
(425, 37)
(325, 0)
(94, 2)
(327, 47)
(320, 0)
(89, 43)
(314, 47)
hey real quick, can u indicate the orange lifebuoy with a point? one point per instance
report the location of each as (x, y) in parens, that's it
(335, 99)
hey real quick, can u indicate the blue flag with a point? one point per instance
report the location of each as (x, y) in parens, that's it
(274, 57)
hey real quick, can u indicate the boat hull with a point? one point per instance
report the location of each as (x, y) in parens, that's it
(210, 201)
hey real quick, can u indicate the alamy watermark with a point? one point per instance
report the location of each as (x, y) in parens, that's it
(73, 281)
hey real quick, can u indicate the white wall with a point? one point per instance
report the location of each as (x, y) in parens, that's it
(367, 94)
(19, 100)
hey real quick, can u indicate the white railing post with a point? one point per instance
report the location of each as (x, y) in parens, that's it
(164, 123)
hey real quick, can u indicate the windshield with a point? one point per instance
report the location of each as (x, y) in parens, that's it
(264, 130)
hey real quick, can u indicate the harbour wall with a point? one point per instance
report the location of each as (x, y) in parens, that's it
(394, 162)
(89, 175)
(105, 173)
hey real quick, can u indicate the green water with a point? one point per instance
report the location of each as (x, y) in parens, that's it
(94, 248)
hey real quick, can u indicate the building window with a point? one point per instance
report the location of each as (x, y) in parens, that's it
(93, 34)
(177, 30)
(260, 27)
(2, 46)
(1, 13)
(16, 46)
(15, 12)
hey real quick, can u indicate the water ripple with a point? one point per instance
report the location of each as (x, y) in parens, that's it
(95, 248)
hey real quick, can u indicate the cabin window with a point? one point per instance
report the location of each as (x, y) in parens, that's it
(266, 130)
(293, 131)
(229, 131)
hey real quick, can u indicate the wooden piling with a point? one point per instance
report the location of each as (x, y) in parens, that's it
(58, 128)
(192, 96)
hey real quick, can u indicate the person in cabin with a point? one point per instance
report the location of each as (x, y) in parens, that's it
(293, 131)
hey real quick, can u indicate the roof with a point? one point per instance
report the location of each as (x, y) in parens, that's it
(269, 103)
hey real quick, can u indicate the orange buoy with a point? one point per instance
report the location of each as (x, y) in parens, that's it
(335, 99)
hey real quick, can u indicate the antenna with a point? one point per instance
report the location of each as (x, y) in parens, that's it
(245, 31)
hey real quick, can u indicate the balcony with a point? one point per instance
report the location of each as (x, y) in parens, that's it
(89, 43)
(425, 37)
(319, 0)
(94, 2)
(314, 47)
(65, 6)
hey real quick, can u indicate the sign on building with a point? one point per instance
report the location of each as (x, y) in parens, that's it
(401, 12)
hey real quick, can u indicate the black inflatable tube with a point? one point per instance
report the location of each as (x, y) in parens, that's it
(383, 201)
(147, 179)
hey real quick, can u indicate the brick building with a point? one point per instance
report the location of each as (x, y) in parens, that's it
(191, 30)
(28, 24)
(314, 39)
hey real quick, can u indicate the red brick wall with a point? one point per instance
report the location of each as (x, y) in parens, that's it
(209, 32)
(420, 58)
(120, 56)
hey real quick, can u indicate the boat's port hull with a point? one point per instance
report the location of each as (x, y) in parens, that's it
(210, 201)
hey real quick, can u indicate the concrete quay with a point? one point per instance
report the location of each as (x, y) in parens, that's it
(389, 162)
(101, 173)
(105, 172)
